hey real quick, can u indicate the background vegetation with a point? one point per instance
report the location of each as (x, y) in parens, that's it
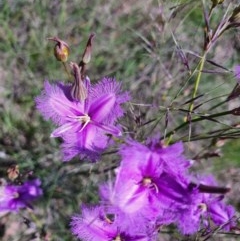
(138, 42)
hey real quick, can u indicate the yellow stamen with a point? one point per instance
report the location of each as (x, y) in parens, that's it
(203, 207)
(147, 182)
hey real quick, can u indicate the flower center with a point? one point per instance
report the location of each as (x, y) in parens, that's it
(109, 218)
(84, 118)
(202, 207)
(148, 182)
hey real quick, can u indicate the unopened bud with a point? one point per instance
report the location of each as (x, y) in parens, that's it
(13, 172)
(88, 50)
(209, 189)
(236, 111)
(235, 93)
(61, 49)
(216, 2)
(234, 20)
(78, 90)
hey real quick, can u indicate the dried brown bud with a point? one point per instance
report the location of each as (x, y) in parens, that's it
(235, 93)
(88, 50)
(78, 91)
(61, 49)
(236, 111)
(13, 172)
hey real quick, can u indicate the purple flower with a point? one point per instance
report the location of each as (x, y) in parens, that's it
(12, 198)
(214, 208)
(83, 125)
(222, 215)
(170, 158)
(149, 186)
(97, 224)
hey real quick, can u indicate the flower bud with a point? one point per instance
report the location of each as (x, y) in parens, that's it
(78, 90)
(209, 189)
(234, 20)
(216, 2)
(236, 111)
(235, 93)
(13, 172)
(88, 50)
(61, 49)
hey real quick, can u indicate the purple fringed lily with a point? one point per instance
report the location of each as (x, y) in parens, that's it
(153, 183)
(12, 197)
(214, 208)
(150, 172)
(83, 125)
(149, 185)
(96, 224)
(222, 215)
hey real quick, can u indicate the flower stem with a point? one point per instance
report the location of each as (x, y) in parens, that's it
(66, 70)
(202, 117)
(197, 81)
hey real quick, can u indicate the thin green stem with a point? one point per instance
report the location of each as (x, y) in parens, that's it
(66, 70)
(230, 135)
(203, 117)
(196, 85)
